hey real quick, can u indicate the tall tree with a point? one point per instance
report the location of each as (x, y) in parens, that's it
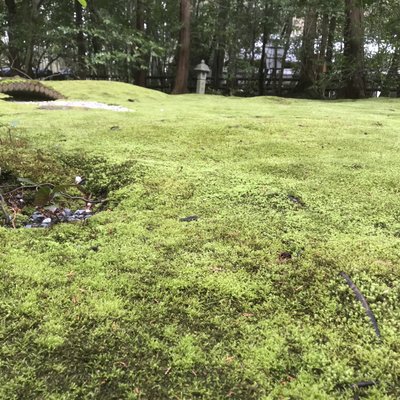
(182, 73)
(307, 58)
(353, 54)
(286, 34)
(12, 24)
(80, 41)
(140, 75)
(330, 43)
(265, 38)
(219, 45)
(31, 24)
(324, 40)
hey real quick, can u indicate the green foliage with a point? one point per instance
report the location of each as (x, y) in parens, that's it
(101, 175)
(118, 39)
(123, 48)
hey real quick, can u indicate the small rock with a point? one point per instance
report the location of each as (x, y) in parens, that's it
(79, 180)
(37, 217)
(65, 214)
(46, 221)
(295, 199)
(62, 216)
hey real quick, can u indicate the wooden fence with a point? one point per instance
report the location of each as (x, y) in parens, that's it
(249, 86)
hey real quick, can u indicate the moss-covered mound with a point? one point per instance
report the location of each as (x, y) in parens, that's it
(23, 89)
(247, 301)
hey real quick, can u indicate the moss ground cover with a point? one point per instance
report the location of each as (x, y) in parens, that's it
(244, 303)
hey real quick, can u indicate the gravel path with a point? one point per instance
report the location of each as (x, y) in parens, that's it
(65, 104)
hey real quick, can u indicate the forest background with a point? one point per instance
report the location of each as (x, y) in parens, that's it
(343, 48)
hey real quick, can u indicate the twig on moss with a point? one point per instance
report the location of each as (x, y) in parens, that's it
(30, 187)
(68, 196)
(364, 384)
(361, 385)
(14, 218)
(50, 185)
(6, 216)
(359, 296)
(22, 73)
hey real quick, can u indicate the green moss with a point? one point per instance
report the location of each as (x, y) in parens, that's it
(135, 304)
(14, 79)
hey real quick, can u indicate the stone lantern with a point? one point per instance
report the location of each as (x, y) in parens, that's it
(202, 71)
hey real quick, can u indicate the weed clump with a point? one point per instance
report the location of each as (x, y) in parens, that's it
(46, 194)
(102, 177)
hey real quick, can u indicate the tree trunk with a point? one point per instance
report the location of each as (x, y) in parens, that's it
(140, 75)
(231, 82)
(330, 43)
(80, 41)
(12, 25)
(220, 45)
(392, 81)
(253, 50)
(96, 42)
(307, 71)
(324, 43)
(218, 65)
(182, 73)
(287, 34)
(353, 63)
(33, 13)
(261, 68)
(266, 33)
